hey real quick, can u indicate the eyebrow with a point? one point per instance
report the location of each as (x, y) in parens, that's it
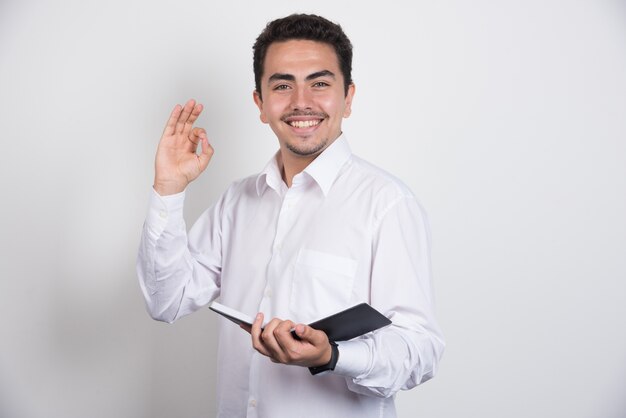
(291, 77)
(323, 73)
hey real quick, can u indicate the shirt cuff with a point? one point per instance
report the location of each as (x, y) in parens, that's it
(353, 358)
(165, 210)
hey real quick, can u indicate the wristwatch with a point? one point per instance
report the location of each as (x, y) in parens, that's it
(334, 356)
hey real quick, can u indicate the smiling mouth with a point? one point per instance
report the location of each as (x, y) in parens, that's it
(304, 120)
(304, 123)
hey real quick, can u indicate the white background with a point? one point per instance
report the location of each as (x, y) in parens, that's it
(506, 118)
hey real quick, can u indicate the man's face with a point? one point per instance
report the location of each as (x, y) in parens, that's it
(303, 96)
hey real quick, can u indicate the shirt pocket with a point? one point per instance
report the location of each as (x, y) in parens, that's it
(322, 285)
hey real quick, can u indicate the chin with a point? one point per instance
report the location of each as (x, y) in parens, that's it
(306, 150)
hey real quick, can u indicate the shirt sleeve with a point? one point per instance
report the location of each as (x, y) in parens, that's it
(178, 272)
(406, 353)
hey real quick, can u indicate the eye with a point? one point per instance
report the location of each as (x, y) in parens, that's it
(320, 84)
(281, 87)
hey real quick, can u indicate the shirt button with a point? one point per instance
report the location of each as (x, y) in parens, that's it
(252, 403)
(163, 214)
(268, 292)
(278, 247)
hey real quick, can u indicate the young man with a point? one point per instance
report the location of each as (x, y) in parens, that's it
(317, 231)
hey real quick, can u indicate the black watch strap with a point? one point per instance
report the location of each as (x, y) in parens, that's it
(334, 356)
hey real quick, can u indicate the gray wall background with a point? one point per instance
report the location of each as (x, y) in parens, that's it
(506, 118)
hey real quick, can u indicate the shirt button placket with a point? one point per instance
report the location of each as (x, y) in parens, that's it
(252, 410)
(283, 220)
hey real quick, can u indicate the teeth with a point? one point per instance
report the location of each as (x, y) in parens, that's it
(304, 123)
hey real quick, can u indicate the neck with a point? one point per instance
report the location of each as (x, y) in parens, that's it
(293, 165)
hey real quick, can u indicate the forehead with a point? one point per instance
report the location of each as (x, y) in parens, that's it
(300, 57)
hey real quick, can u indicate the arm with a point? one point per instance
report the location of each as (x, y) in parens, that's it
(397, 357)
(406, 353)
(178, 273)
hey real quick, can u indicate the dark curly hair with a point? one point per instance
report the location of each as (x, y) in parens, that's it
(303, 27)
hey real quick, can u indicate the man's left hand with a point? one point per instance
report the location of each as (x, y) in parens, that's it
(276, 342)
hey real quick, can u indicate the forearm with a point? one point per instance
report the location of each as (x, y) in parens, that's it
(406, 353)
(389, 360)
(173, 278)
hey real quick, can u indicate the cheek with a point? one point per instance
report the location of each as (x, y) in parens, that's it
(332, 102)
(274, 109)
(333, 106)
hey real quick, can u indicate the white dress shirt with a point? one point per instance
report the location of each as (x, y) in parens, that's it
(345, 232)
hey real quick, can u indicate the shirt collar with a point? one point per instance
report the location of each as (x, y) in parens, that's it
(270, 176)
(323, 170)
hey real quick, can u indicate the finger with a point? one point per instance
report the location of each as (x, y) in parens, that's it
(267, 334)
(195, 112)
(255, 331)
(269, 340)
(282, 334)
(255, 334)
(315, 337)
(196, 132)
(170, 126)
(182, 119)
(321, 351)
(206, 154)
(194, 138)
(300, 330)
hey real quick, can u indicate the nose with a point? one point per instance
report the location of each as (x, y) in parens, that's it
(301, 99)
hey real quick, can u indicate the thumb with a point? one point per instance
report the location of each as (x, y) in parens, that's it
(312, 335)
(207, 152)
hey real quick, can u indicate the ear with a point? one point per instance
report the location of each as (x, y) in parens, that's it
(259, 103)
(348, 101)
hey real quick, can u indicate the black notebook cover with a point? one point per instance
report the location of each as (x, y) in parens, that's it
(342, 326)
(353, 322)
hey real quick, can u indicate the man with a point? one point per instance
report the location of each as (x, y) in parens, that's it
(317, 231)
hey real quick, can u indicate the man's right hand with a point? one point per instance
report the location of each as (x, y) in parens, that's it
(177, 163)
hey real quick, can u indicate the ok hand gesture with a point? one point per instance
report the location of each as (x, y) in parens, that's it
(177, 162)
